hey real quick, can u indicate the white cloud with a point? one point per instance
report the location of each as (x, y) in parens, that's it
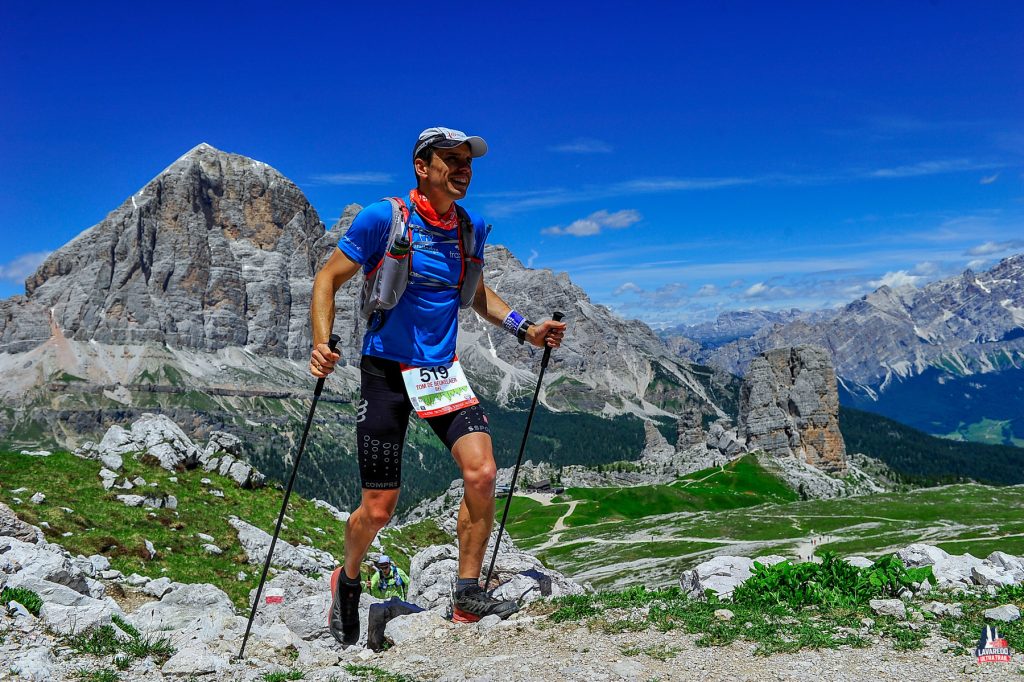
(989, 248)
(627, 287)
(930, 168)
(989, 179)
(707, 290)
(759, 289)
(532, 258)
(583, 145)
(596, 222)
(359, 178)
(977, 264)
(21, 267)
(898, 278)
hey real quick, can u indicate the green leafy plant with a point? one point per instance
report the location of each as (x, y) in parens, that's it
(369, 672)
(282, 676)
(101, 675)
(27, 598)
(832, 583)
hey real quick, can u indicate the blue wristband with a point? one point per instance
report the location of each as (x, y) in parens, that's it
(512, 322)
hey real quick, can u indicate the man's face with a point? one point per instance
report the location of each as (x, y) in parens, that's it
(384, 568)
(449, 171)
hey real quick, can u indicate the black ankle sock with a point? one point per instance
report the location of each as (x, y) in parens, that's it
(463, 584)
(345, 580)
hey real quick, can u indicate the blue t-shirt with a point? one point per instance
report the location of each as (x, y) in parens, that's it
(422, 328)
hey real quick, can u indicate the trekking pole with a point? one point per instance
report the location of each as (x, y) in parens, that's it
(557, 317)
(333, 345)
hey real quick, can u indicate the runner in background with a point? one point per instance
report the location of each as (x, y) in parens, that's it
(408, 359)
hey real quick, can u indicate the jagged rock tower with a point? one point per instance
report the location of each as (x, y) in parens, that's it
(789, 407)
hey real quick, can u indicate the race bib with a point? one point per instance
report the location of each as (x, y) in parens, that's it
(438, 390)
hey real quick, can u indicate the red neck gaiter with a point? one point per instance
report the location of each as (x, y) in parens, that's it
(449, 221)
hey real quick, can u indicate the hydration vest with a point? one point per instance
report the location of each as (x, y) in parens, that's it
(387, 281)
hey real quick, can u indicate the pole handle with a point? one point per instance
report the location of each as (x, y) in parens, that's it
(557, 317)
(332, 343)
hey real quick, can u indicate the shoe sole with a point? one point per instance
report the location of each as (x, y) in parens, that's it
(460, 616)
(335, 577)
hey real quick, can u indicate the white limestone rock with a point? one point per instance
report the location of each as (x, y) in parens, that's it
(721, 574)
(37, 665)
(256, 543)
(406, 630)
(991, 575)
(44, 562)
(1006, 613)
(195, 660)
(889, 607)
(12, 526)
(72, 620)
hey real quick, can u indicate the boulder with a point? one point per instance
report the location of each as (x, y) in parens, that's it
(721, 574)
(1009, 563)
(43, 562)
(341, 516)
(941, 609)
(12, 526)
(199, 610)
(256, 544)
(157, 588)
(50, 592)
(71, 620)
(431, 574)
(414, 627)
(991, 575)
(950, 571)
(889, 607)
(859, 561)
(1006, 613)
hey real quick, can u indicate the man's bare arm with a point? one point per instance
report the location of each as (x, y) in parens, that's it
(492, 308)
(338, 269)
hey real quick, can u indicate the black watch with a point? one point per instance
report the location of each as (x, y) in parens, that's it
(521, 331)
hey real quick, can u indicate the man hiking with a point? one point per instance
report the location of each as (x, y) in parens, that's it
(408, 359)
(388, 580)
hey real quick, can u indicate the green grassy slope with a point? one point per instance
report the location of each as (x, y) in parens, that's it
(98, 523)
(615, 537)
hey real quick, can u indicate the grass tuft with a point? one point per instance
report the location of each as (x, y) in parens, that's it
(27, 598)
(369, 672)
(282, 676)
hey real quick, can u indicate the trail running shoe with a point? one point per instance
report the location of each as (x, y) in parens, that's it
(474, 603)
(343, 618)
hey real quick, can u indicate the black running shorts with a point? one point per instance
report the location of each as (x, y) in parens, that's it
(382, 418)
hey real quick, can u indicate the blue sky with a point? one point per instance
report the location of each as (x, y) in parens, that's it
(676, 159)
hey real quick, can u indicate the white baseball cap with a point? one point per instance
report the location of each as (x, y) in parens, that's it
(445, 138)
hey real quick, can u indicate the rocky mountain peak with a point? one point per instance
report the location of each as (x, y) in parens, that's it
(216, 251)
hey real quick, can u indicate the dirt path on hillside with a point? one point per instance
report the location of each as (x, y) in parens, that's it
(559, 526)
(699, 480)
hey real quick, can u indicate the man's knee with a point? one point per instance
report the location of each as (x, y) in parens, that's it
(479, 479)
(377, 509)
(378, 516)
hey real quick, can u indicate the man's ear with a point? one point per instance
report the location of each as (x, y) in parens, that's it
(420, 167)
